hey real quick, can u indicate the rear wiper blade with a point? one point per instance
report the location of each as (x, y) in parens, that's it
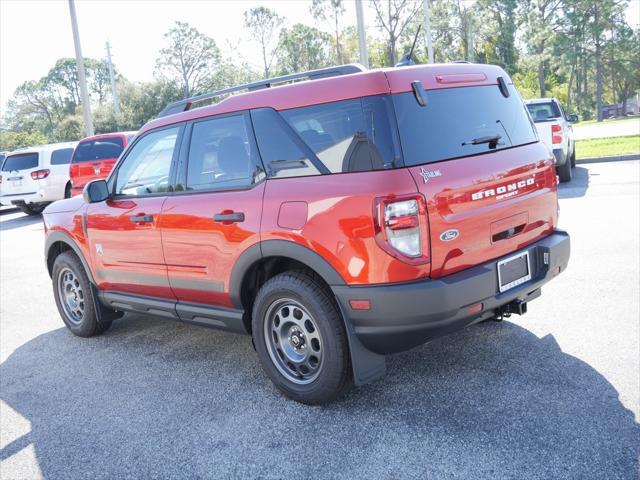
(492, 140)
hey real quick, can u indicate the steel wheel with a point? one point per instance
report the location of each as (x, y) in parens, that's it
(293, 341)
(71, 295)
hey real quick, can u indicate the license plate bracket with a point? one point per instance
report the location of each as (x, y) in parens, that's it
(514, 271)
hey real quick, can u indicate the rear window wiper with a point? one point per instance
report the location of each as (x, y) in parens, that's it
(492, 140)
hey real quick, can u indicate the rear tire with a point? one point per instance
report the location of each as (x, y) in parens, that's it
(300, 338)
(564, 171)
(32, 209)
(67, 190)
(74, 297)
(573, 157)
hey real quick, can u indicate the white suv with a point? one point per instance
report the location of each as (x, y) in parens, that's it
(33, 177)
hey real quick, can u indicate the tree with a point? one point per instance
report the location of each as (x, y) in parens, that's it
(393, 17)
(10, 140)
(264, 25)
(303, 48)
(543, 21)
(189, 59)
(330, 11)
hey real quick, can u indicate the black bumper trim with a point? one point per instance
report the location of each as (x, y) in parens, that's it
(405, 315)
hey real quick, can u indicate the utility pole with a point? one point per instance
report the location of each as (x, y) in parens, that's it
(82, 79)
(362, 34)
(470, 39)
(427, 30)
(112, 77)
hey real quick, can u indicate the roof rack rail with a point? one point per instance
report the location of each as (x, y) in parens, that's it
(186, 104)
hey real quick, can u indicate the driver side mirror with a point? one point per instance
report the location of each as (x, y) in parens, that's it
(573, 118)
(96, 191)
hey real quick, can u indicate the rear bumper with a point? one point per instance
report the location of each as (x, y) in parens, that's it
(405, 315)
(40, 194)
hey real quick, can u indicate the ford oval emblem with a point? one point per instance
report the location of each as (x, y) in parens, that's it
(449, 235)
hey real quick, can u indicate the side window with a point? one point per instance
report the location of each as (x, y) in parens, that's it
(62, 156)
(347, 136)
(336, 133)
(146, 169)
(282, 157)
(222, 155)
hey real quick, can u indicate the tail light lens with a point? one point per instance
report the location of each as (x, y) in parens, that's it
(40, 174)
(401, 228)
(556, 133)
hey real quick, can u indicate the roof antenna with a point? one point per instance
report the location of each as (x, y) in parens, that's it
(407, 60)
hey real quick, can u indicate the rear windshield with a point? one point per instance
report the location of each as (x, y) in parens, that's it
(455, 121)
(62, 156)
(98, 150)
(543, 111)
(23, 161)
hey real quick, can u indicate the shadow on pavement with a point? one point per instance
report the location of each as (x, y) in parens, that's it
(7, 210)
(21, 221)
(153, 399)
(578, 185)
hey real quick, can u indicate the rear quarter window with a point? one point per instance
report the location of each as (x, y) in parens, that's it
(452, 118)
(22, 161)
(62, 156)
(346, 136)
(102, 149)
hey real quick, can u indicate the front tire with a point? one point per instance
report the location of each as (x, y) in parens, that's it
(74, 297)
(300, 338)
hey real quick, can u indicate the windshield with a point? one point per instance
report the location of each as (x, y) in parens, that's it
(458, 122)
(102, 149)
(543, 111)
(23, 161)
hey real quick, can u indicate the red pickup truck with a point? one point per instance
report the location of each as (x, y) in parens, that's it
(336, 219)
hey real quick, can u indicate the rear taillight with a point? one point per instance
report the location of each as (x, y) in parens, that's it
(40, 174)
(556, 133)
(401, 228)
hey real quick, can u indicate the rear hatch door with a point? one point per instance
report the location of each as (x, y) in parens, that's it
(16, 174)
(93, 159)
(489, 183)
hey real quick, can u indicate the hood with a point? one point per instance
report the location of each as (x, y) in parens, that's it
(67, 205)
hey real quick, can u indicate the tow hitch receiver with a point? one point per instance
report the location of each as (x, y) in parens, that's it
(518, 307)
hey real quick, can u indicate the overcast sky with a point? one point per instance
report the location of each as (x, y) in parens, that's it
(35, 33)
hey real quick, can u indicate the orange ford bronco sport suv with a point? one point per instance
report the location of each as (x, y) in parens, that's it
(343, 216)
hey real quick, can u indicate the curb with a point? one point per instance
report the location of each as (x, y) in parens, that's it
(618, 158)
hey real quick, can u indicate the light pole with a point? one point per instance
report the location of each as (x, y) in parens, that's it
(112, 77)
(427, 30)
(82, 79)
(362, 35)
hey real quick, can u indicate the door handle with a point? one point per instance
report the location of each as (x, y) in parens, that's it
(141, 219)
(228, 217)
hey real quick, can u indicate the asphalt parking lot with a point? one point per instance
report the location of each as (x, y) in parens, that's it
(552, 394)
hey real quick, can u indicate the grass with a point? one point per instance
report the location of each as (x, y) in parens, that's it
(607, 147)
(613, 121)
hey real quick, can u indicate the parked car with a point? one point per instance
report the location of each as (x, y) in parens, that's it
(33, 177)
(95, 156)
(336, 220)
(554, 129)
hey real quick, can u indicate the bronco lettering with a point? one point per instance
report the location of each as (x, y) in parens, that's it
(512, 188)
